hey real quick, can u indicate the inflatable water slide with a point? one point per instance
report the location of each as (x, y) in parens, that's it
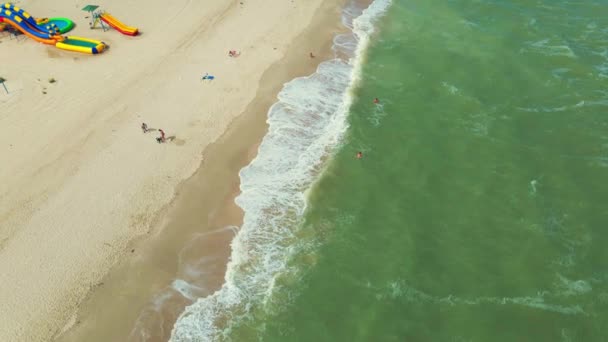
(118, 25)
(46, 34)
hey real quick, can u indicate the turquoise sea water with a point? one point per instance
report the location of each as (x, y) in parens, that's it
(478, 211)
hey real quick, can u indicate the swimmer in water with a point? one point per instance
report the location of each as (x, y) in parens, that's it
(359, 155)
(376, 101)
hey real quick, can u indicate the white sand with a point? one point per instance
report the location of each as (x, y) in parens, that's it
(79, 179)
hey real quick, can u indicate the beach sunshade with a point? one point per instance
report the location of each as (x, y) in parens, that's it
(90, 8)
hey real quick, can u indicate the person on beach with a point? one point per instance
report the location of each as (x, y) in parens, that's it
(359, 155)
(144, 127)
(161, 139)
(376, 101)
(311, 55)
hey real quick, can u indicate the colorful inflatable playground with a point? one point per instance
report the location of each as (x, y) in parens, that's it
(49, 30)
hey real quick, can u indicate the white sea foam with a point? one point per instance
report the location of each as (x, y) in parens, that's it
(399, 289)
(376, 116)
(304, 126)
(549, 47)
(450, 87)
(533, 184)
(186, 289)
(572, 287)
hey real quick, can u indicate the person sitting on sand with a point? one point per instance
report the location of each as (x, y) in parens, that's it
(311, 55)
(144, 127)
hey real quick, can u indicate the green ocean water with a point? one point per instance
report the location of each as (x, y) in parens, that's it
(479, 210)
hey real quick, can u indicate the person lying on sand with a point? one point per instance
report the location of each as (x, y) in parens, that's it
(207, 77)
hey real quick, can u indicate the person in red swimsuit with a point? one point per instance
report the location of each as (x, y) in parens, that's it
(161, 139)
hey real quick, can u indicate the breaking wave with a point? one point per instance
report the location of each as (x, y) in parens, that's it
(305, 125)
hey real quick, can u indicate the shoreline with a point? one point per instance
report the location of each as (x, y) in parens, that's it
(216, 176)
(305, 126)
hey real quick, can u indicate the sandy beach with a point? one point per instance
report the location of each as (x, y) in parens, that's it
(80, 181)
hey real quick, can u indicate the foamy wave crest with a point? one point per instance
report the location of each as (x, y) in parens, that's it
(305, 124)
(549, 47)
